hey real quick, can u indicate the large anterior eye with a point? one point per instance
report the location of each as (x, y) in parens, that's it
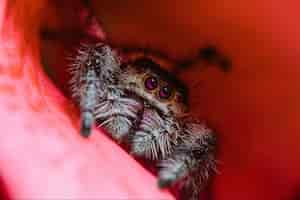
(165, 92)
(155, 73)
(151, 83)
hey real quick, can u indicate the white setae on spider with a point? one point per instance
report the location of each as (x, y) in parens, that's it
(141, 104)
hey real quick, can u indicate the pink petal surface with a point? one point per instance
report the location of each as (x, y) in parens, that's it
(42, 154)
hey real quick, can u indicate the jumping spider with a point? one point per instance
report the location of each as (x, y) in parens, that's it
(141, 104)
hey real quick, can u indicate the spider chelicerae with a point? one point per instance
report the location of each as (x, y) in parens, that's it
(141, 104)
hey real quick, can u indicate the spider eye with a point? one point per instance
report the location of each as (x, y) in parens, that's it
(151, 83)
(165, 92)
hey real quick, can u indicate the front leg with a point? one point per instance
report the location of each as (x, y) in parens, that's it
(93, 69)
(192, 161)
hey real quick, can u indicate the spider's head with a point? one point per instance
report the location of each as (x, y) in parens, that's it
(159, 89)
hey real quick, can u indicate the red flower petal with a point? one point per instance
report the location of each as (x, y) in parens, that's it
(42, 154)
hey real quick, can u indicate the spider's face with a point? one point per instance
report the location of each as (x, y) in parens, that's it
(145, 78)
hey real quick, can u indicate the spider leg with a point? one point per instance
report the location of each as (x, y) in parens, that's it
(93, 69)
(192, 161)
(155, 137)
(87, 106)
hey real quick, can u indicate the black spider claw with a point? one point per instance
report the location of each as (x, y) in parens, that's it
(86, 124)
(163, 183)
(85, 129)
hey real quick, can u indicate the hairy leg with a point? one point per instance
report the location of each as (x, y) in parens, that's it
(192, 161)
(94, 68)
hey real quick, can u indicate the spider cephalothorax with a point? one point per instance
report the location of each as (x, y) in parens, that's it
(133, 98)
(145, 78)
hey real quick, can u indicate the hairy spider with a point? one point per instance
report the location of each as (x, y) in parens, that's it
(138, 102)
